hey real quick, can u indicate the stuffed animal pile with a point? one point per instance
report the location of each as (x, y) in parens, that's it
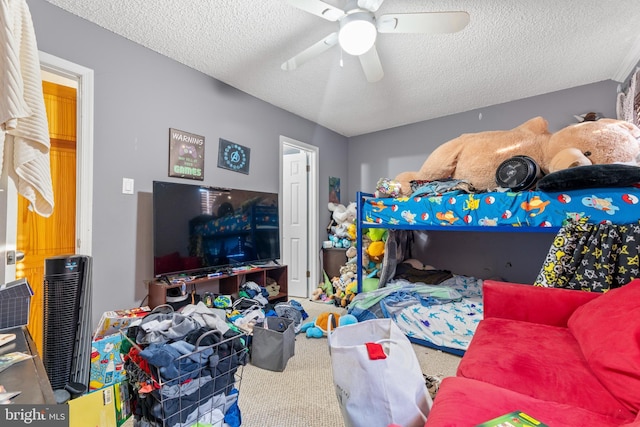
(341, 289)
(342, 228)
(342, 234)
(475, 157)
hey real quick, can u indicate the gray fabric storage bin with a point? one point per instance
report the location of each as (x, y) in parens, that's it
(273, 343)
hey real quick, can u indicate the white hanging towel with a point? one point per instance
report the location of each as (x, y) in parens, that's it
(24, 131)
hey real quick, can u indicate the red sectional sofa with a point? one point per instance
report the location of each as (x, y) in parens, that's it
(567, 358)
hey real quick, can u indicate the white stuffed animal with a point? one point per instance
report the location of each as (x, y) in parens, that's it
(342, 223)
(343, 214)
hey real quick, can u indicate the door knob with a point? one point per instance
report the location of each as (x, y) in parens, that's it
(14, 256)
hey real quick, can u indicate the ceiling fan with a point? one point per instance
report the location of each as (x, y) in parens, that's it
(359, 27)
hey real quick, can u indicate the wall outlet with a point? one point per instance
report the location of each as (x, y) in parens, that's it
(127, 185)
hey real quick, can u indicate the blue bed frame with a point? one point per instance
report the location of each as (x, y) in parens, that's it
(360, 225)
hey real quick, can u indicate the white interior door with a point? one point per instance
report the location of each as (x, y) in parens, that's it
(9, 209)
(294, 222)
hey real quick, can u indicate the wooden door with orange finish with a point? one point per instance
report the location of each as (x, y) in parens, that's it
(39, 238)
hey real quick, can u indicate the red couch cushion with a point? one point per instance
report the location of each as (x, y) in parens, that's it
(463, 402)
(549, 306)
(541, 361)
(608, 332)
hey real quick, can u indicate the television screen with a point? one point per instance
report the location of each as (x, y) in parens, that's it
(201, 229)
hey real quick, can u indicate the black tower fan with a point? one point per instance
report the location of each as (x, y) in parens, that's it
(67, 321)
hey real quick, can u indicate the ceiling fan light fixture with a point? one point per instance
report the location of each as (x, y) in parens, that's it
(357, 33)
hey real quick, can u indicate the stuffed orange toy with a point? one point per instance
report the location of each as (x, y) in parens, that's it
(322, 321)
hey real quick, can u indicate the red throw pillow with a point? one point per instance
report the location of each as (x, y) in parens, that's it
(608, 332)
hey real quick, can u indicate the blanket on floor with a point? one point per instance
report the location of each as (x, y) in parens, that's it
(445, 315)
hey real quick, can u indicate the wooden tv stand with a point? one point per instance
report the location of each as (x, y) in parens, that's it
(224, 284)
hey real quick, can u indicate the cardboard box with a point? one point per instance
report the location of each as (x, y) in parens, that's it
(93, 409)
(122, 401)
(112, 322)
(15, 300)
(107, 367)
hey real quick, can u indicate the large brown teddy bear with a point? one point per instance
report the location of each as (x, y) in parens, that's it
(475, 157)
(600, 142)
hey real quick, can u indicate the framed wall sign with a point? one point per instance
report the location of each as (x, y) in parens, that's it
(334, 189)
(186, 155)
(233, 156)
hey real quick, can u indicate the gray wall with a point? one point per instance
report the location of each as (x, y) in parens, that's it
(512, 256)
(389, 152)
(138, 96)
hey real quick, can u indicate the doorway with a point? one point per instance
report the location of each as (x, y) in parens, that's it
(57, 74)
(299, 207)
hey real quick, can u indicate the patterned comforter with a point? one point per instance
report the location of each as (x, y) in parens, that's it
(443, 316)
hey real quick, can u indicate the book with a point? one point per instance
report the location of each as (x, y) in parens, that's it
(95, 408)
(6, 396)
(106, 364)
(513, 419)
(113, 321)
(9, 359)
(6, 338)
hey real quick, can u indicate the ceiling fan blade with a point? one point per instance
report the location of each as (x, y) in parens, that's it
(311, 52)
(426, 22)
(371, 5)
(371, 65)
(318, 8)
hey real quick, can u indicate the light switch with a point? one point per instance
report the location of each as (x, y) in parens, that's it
(127, 185)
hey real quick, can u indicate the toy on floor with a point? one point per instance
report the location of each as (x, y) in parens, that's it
(349, 293)
(320, 326)
(324, 292)
(348, 275)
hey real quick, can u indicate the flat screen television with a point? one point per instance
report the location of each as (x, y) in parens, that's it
(199, 229)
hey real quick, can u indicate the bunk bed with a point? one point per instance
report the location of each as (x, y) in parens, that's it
(531, 211)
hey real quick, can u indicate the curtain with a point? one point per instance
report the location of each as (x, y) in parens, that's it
(592, 257)
(628, 102)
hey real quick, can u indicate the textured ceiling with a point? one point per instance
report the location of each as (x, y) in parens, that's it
(510, 50)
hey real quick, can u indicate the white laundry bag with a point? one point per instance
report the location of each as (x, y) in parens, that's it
(377, 377)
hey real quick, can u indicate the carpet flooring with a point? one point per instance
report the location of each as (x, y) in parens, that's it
(303, 394)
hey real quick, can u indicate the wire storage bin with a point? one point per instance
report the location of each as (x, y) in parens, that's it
(183, 382)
